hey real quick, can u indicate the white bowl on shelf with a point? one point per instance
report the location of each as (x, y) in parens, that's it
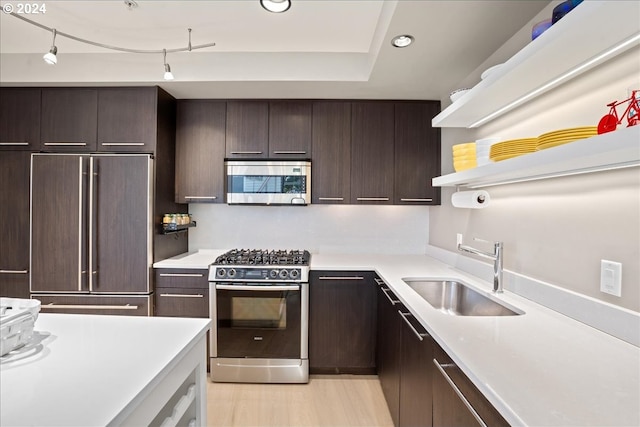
(458, 93)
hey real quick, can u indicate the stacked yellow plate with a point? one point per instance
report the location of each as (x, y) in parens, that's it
(464, 156)
(512, 148)
(564, 136)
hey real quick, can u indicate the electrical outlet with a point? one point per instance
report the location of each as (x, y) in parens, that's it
(611, 277)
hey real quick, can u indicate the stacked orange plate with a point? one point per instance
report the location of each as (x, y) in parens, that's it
(512, 148)
(564, 136)
(464, 156)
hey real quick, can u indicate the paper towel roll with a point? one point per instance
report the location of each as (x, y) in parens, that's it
(477, 199)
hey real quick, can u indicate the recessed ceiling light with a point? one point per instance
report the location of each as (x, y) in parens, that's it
(402, 41)
(276, 6)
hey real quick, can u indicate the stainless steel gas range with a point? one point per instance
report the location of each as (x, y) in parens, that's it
(260, 313)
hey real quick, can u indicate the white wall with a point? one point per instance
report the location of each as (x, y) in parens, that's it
(557, 230)
(317, 228)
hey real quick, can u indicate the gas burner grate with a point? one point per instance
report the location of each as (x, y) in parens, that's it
(264, 257)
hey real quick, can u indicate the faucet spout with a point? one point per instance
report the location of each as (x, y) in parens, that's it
(496, 257)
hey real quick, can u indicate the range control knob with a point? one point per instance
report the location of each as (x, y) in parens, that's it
(221, 272)
(273, 274)
(284, 274)
(294, 274)
(231, 273)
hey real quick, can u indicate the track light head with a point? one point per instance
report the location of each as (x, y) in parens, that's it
(168, 75)
(50, 57)
(276, 6)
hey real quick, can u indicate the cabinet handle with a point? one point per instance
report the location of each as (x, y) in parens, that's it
(385, 291)
(70, 144)
(418, 334)
(201, 197)
(90, 306)
(183, 295)
(337, 199)
(122, 144)
(14, 271)
(246, 152)
(81, 203)
(372, 199)
(378, 281)
(13, 143)
(181, 275)
(341, 278)
(457, 390)
(90, 238)
(416, 200)
(289, 152)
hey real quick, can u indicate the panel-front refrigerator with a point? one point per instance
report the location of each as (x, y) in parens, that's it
(91, 233)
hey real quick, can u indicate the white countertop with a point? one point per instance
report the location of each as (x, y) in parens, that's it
(85, 370)
(538, 369)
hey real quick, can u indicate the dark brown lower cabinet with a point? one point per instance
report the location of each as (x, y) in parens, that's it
(181, 293)
(14, 284)
(342, 322)
(388, 348)
(456, 401)
(138, 305)
(416, 372)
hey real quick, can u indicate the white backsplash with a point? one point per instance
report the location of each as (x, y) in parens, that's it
(317, 228)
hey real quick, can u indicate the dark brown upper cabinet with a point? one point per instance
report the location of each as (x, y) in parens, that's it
(127, 119)
(200, 151)
(372, 152)
(69, 119)
(331, 147)
(247, 133)
(417, 153)
(20, 119)
(290, 129)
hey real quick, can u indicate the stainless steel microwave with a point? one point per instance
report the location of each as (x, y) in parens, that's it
(268, 182)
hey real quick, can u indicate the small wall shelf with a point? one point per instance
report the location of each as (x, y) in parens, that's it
(175, 228)
(614, 150)
(575, 44)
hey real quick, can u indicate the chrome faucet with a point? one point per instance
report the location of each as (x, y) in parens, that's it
(496, 257)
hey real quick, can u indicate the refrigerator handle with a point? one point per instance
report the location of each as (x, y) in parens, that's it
(80, 205)
(91, 213)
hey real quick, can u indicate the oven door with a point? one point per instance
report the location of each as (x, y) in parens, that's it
(256, 321)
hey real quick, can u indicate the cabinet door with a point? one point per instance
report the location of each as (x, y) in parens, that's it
(417, 153)
(342, 326)
(454, 395)
(20, 119)
(200, 151)
(182, 302)
(140, 305)
(372, 134)
(416, 375)
(69, 119)
(14, 228)
(58, 228)
(331, 146)
(290, 129)
(247, 129)
(388, 349)
(127, 119)
(120, 234)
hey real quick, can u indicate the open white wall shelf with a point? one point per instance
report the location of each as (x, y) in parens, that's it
(614, 150)
(592, 33)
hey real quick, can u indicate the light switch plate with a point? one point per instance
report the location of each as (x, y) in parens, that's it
(611, 277)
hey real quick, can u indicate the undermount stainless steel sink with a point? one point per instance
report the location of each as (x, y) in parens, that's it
(458, 299)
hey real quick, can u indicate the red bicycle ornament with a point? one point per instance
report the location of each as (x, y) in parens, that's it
(610, 122)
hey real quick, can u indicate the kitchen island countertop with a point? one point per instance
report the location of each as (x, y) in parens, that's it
(92, 370)
(539, 368)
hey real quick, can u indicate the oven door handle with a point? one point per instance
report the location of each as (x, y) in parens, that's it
(258, 287)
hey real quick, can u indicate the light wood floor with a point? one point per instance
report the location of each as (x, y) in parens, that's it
(328, 400)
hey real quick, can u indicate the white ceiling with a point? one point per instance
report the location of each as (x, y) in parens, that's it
(317, 49)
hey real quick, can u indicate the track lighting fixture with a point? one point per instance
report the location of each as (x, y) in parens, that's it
(50, 57)
(168, 75)
(276, 6)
